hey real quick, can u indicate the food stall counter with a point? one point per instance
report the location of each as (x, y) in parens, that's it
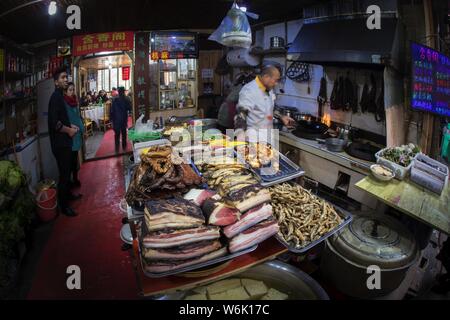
(412, 200)
(151, 287)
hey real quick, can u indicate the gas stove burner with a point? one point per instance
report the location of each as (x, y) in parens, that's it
(310, 135)
(363, 151)
(312, 126)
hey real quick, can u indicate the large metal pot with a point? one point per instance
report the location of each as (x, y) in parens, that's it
(280, 276)
(369, 240)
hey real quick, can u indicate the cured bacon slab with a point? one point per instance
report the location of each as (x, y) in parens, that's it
(249, 219)
(173, 238)
(173, 214)
(199, 196)
(249, 197)
(254, 235)
(185, 252)
(167, 265)
(218, 213)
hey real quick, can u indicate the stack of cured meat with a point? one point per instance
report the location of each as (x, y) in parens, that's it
(245, 214)
(175, 236)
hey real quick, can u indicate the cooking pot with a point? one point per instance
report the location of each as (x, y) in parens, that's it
(277, 42)
(369, 240)
(334, 144)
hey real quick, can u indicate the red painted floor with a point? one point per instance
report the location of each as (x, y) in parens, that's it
(107, 146)
(90, 241)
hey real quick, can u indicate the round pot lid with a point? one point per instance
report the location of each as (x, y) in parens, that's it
(125, 234)
(376, 240)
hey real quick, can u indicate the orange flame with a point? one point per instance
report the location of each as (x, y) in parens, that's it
(326, 119)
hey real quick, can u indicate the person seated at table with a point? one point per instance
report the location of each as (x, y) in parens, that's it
(102, 97)
(119, 118)
(86, 99)
(94, 97)
(114, 93)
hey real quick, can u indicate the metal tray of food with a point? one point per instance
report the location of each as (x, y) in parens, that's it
(143, 230)
(347, 217)
(195, 266)
(288, 171)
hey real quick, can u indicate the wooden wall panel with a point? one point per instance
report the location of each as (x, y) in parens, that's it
(209, 60)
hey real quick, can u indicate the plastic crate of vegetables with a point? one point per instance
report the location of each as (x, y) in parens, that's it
(398, 159)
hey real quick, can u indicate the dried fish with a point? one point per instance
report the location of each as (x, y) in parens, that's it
(302, 216)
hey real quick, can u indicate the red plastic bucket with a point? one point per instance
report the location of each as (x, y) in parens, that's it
(46, 203)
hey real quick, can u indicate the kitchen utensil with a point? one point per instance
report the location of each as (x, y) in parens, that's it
(369, 240)
(298, 72)
(322, 97)
(277, 43)
(380, 176)
(311, 126)
(334, 144)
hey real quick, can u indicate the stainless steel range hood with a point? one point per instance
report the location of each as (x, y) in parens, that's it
(346, 41)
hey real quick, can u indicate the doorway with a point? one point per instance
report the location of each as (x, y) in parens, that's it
(98, 80)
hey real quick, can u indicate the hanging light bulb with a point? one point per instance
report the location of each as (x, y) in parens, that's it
(52, 8)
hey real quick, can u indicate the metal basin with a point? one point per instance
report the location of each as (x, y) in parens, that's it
(280, 276)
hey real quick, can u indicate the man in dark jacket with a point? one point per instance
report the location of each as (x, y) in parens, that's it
(119, 118)
(61, 132)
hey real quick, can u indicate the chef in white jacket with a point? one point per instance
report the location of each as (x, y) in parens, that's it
(255, 110)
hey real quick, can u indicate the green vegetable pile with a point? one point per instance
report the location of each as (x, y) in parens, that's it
(143, 136)
(402, 155)
(17, 209)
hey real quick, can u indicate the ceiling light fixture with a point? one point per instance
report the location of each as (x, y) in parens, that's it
(52, 8)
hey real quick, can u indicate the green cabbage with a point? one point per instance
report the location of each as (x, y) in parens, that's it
(15, 178)
(5, 166)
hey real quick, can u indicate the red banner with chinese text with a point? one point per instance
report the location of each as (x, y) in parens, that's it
(98, 42)
(125, 73)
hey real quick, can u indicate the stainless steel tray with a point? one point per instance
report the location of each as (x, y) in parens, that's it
(144, 230)
(195, 266)
(343, 213)
(288, 171)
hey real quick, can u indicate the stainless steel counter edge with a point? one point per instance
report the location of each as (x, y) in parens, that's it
(313, 147)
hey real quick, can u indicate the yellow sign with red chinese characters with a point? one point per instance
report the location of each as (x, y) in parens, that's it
(98, 42)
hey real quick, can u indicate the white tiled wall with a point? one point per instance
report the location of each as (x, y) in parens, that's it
(296, 94)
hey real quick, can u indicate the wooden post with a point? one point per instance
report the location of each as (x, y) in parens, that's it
(428, 118)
